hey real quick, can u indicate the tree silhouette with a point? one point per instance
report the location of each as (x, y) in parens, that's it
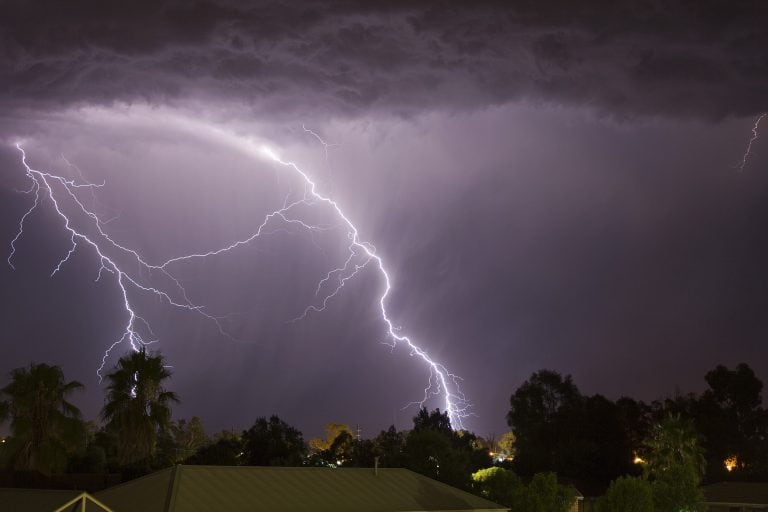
(434, 420)
(138, 406)
(388, 447)
(733, 423)
(45, 427)
(433, 449)
(273, 442)
(542, 411)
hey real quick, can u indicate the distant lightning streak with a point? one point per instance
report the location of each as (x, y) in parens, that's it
(326, 145)
(137, 332)
(753, 138)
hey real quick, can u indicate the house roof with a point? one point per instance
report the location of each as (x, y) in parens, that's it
(281, 489)
(34, 500)
(737, 493)
(45, 500)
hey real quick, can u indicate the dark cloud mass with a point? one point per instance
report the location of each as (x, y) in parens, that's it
(692, 58)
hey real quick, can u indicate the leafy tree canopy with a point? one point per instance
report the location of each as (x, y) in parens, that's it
(496, 484)
(558, 429)
(433, 449)
(273, 442)
(627, 494)
(673, 442)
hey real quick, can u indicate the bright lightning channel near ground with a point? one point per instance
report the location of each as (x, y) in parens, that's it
(86, 229)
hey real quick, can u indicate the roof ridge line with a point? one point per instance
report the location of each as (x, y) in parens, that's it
(173, 488)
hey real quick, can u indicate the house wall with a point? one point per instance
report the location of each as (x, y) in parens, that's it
(578, 506)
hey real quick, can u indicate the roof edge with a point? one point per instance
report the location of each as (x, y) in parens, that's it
(456, 489)
(734, 503)
(121, 484)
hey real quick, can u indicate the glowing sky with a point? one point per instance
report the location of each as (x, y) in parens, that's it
(550, 187)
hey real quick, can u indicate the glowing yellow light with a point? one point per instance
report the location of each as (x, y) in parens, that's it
(638, 460)
(731, 463)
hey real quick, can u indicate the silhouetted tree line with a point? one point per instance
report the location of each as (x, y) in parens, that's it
(653, 454)
(431, 448)
(593, 439)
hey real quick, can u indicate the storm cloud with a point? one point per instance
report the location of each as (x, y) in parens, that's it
(691, 58)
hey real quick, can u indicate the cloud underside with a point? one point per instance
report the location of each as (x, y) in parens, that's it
(692, 59)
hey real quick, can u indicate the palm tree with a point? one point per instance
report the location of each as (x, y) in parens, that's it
(675, 462)
(673, 442)
(138, 406)
(45, 427)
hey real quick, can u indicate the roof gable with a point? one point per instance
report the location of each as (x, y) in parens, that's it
(46, 500)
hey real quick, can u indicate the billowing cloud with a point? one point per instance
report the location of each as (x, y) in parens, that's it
(699, 59)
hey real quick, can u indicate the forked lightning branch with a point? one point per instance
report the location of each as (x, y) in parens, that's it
(86, 230)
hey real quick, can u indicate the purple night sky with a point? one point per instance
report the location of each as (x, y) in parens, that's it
(550, 185)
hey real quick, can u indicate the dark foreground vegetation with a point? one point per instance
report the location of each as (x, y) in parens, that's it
(637, 456)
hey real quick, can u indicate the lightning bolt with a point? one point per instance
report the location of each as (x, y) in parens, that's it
(361, 253)
(752, 139)
(137, 332)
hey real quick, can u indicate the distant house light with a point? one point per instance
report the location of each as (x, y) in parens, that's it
(731, 463)
(500, 456)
